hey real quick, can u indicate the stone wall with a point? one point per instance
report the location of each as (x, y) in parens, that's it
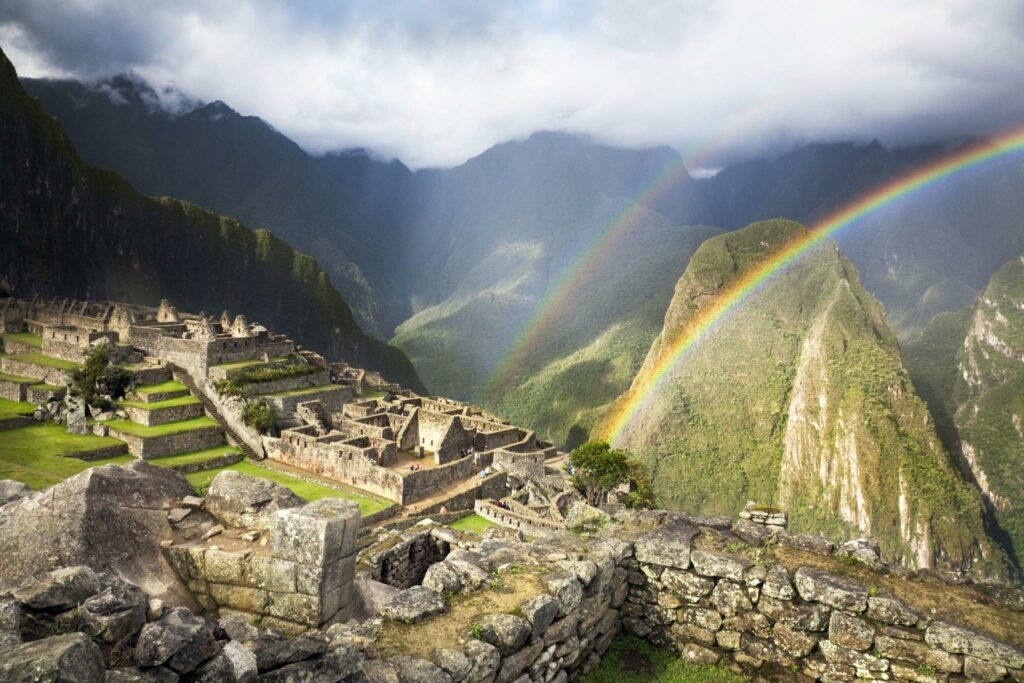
(187, 353)
(54, 376)
(159, 416)
(528, 524)
(402, 559)
(147, 447)
(522, 465)
(425, 483)
(13, 391)
(332, 397)
(303, 580)
(491, 487)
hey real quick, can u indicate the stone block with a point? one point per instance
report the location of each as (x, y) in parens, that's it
(960, 640)
(982, 671)
(777, 584)
(336, 599)
(239, 597)
(272, 574)
(815, 585)
(316, 534)
(225, 567)
(849, 631)
(713, 564)
(794, 642)
(890, 611)
(861, 661)
(687, 586)
(730, 598)
(919, 652)
(667, 546)
(294, 607)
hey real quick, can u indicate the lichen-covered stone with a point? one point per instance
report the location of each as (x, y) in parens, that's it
(838, 592)
(707, 563)
(540, 611)
(442, 578)
(317, 533)
(730, 598)
(777, 584)
(414, 605)
(60, 589)
(454, 662)
(862, 661)
(70, 657)
(484, 657)
(566, 590)
(960, 640)
(180, 639)
(919, 652)
(806, 617)
(890, 611)
(687, 586)
(668, 545)
(794, 642)
(240, 500)
(506, 632)
(982, 671)
(116, 613)
(849, 631)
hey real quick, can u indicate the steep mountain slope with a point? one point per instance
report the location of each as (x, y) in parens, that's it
(343, 208)
(543, 277)
(69, 229)
(930, 252)
(799, 398)
(970, 367)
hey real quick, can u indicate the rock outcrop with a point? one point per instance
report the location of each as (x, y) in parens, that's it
(243, 501)
(109, 519)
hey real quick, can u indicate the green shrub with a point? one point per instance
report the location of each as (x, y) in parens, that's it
(258, 416)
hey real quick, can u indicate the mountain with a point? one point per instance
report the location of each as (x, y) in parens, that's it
(799, 399)
(543, 271)
(969, 366)
(344, 208)
(69, 229)
(926, 253)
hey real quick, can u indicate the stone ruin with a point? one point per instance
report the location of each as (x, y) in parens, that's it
(272, 589)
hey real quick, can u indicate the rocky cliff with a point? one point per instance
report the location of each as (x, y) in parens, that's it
(73, 230)
(970, 367)
(799, 398)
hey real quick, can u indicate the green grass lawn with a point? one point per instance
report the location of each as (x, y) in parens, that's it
(25, 338)
(473, 522)
(45, 361)
(194, 456)
(19, 379)
(169, 403)
(306, 390)
(33, 454)
(371, 392)
(12, 408)
(303, 489)
(161, 388)
(631, 660)
(238, 364)
(135, 429)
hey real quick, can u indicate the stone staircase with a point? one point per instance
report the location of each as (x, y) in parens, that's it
(213, 411)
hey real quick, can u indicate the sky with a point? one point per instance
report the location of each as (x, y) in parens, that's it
(434, 83)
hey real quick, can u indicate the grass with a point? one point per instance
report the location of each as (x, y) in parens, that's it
(33, 454)
(11, 408)
(473, 523)
(194, 456)
(238, 364)
(305, 390)
(135, 429)
(157, 405)
(304, 489)
(372, 392)
(26, 338)
(17, 379)
(161, 388)
(45, 361)
(631, 660)
(47, 387)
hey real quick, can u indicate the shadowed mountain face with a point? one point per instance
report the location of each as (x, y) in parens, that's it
(799, 398)
(969, 367)
(70, 229)
(496, 277)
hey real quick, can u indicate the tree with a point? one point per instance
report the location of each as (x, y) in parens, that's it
(97, 374)
(599, 468)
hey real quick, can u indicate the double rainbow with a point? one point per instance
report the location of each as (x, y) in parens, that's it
(738, 291)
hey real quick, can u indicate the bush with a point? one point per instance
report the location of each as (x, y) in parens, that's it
(258, 416)
(599, 469)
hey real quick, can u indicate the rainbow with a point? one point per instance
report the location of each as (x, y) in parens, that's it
(574, 279)
(737, 292)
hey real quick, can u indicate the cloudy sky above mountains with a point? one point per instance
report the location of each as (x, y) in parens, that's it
(434, 83)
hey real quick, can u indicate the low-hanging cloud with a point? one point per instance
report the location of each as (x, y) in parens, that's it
(435, 83)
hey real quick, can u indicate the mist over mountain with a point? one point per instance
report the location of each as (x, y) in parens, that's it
(71, 229)
(505, 278)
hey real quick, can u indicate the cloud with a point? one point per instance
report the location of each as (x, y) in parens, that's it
(434, 83)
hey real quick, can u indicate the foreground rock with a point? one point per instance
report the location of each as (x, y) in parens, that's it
(239, 500)
(71, 657)
(11, 490)
(108, 518)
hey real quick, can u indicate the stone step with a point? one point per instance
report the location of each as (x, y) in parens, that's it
(152, 442)
(155, 393)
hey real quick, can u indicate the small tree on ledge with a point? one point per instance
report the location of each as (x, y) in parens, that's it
(599, 469)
